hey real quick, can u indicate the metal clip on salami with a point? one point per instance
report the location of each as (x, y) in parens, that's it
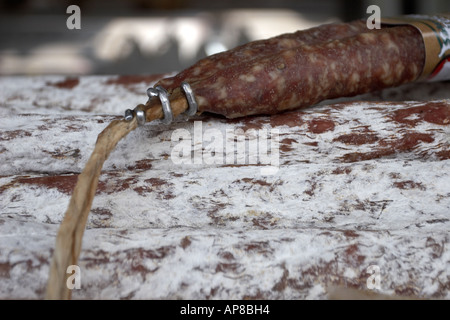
(163, 96)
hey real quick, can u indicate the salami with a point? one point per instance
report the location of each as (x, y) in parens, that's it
(261, 48)
(309, 74)
(284, 75)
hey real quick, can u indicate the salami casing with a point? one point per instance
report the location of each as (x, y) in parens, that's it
(301, 69)
(261, 48)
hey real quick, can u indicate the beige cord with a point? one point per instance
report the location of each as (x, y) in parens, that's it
(70, 234)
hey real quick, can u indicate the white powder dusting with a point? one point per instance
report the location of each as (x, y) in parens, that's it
(160, 230)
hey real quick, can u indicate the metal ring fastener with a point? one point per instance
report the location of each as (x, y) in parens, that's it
(152, 92)
(165, 103)
(193, 106)
(162, 94)
(129, 115)
(140, 116)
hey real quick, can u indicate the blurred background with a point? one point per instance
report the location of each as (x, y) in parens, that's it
(159, 36)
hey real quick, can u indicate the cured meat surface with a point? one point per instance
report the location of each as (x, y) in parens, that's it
(261, 48)
(306, 75)
(298, 70)
(359, 184)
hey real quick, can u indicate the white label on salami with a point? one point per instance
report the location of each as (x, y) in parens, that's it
(442, 72)
(435, 30)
